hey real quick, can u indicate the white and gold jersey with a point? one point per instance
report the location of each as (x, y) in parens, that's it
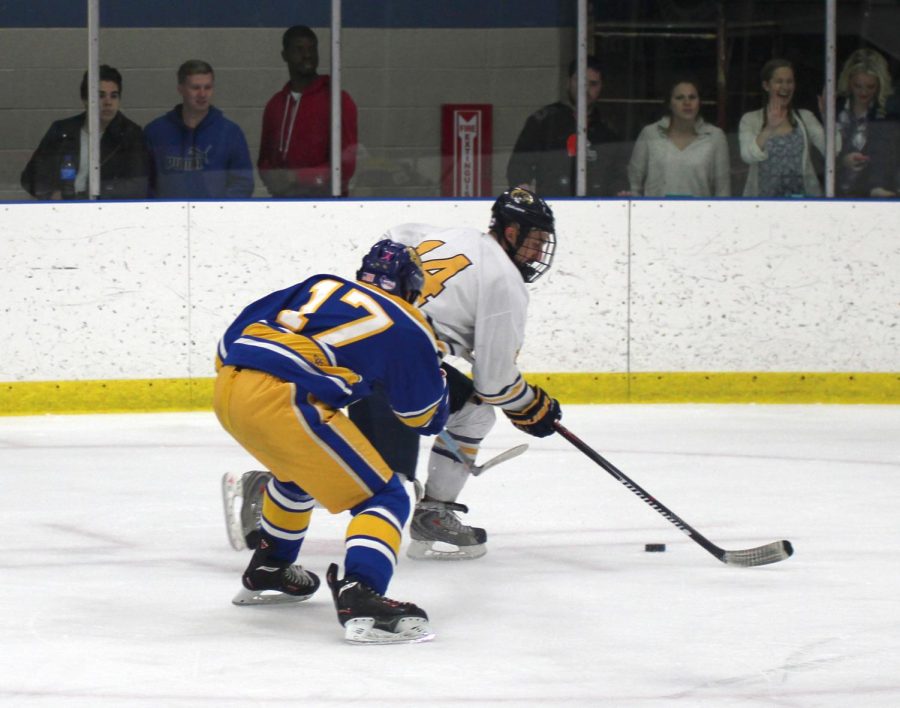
(477, 302)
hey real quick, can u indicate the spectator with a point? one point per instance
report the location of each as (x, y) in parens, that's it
(295, 146)
(680, 154)
(543, 158)
(775, 140)
(195, 151)
(123, 160)
(868, 133)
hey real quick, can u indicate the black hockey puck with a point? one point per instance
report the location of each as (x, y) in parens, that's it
(655, 547)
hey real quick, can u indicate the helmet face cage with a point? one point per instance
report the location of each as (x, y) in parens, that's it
(536, 243)
(394, 268)
(534, 253)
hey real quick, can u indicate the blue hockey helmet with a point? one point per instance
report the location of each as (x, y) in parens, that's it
(394, 268)
(535, 245)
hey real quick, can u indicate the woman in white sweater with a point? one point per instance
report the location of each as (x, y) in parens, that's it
(775, 140)
(680, 155)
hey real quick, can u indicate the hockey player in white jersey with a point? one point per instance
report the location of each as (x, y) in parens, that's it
(476, 299)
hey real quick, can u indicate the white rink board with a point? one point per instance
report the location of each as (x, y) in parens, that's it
(578, 314)
(765, 286)
(94, 291)
(309, 237)
(143, 290)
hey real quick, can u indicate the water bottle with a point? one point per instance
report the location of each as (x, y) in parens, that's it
(67, 172)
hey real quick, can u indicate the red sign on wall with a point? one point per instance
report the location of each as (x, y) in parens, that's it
(466, 148)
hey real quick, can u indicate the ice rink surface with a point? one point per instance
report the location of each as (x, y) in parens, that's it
(117, 576)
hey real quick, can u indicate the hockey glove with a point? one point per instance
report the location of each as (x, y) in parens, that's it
(461, 387)
(538, 417)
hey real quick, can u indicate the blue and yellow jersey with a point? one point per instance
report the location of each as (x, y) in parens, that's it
(335, 339)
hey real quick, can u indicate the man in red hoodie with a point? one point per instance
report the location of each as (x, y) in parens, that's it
(295, 147)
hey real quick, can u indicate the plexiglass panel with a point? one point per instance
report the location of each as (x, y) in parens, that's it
(444, 90)
(867, 111)
(40, 80)
(758, 72)
(198, 81)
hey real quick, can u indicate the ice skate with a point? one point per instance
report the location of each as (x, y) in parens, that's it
(242, 496)
(437, 533)
(370, 618)
(269, 582)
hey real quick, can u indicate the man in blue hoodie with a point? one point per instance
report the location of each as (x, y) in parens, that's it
(195, 151)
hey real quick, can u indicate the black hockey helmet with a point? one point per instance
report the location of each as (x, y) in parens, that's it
(394, 268)
(533, 252)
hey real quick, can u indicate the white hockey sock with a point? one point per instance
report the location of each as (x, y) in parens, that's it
(446, 478)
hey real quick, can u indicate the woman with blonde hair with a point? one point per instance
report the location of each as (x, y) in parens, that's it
(868, 137)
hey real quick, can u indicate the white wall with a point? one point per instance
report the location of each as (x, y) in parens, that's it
(128, 291)
(765, 286)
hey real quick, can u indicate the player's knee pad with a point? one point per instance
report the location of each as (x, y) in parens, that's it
(468, 427)
(392, 497)
(446, 474)
(472, 422)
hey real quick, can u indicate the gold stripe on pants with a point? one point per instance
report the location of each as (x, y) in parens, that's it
(305, 442)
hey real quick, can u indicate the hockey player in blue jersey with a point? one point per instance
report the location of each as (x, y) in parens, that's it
(286, 366)
(476, 298)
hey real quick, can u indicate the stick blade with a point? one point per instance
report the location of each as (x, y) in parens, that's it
(763, 555)
(504, 456)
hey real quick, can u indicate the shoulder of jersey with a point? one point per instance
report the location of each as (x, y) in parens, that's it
(412, 313)
(411, 233)
(328, 276)
(490, 259)
(394, 300)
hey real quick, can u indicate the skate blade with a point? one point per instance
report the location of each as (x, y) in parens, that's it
(410, 630)
(266, 597)
(437, 550)
(231, 490)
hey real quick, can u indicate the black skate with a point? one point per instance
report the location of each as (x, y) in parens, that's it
(438, 534)
(370, 618)
(269, 582)
(242, 521)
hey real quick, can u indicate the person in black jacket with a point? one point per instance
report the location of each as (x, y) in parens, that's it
(543, 158)
(58, 169)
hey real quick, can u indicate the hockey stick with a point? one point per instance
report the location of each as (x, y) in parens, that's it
(476, 470)
(770, 553)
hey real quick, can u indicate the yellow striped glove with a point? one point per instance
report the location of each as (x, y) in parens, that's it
(538, 417)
